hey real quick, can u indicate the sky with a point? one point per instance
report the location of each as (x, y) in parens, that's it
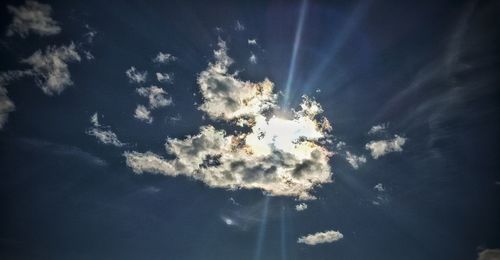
(249, 130)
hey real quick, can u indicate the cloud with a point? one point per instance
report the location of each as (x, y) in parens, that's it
(32, 17)
(320, 238)
(377, 129)
(301, 207)
(164, 58)
(143, 114)
(90, 34)
(226, 97)
(239, 26)
(280, 154)
(354, 160)
(6, 104)
(164, 77)
(102, 133)
(489, 254)
(157, 96)
(252, 41)
(50, 68)
(379, 187)
(253, 59)
(383, 147)
(135, 76)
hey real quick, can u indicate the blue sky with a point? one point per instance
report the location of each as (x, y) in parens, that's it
(180, 130)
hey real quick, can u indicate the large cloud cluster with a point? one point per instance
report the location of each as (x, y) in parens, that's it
(279, 154)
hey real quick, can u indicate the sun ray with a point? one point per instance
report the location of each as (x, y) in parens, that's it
(296, 45)
(262, 230)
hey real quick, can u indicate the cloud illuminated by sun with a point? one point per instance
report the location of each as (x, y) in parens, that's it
(279, 153)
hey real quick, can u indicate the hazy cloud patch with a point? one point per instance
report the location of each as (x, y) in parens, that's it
(50, 67)
(32, 17)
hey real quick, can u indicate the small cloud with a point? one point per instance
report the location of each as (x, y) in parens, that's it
(175, 119)
(252, 41)
(32, 17)
(320, 238)
(228, 221)
(340, 145)
(164, 77)
(101, 133)
(135, 76)
(383, 147)
(88, 55)
(354, 160)
(377, 129)
(318, 90)
(157, 97)
(239, 26)
(489, 254)
(379, 187)
(301, 207)
(50, 68)
(233, 201)
(90, 34)
(143, 114)
(164, 58)
(253, 59)
(6, 104)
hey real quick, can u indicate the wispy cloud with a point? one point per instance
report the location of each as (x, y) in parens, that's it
(301, 207)
(383, 147)
(377, 129)
(63, 150)
(32, 17)
(164, 58)
(143, 114)
(354, 160)
(102, 133)
(320, 238)
(135, 76)
(50, 67)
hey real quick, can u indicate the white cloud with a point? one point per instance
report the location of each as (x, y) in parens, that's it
(354, 160)
(102, 133)
(320, 238)
(143, 114)
(301, 207)
(252, 41)
(135, 76)
(164, 58)
(280, 154)
(239, 26)
(377, 129)
(6, 104)
(50, 68)
(32, 17)
(383, 147)
(253, 59)
(379, 187)
(90, 34)
(164, 77)
(226, 97)
(489, 254)
(157, 96)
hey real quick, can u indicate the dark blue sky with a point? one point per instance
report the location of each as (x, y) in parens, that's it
(426, 69)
